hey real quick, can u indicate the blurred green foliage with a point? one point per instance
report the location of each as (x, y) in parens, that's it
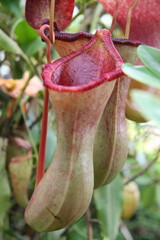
(148, 102)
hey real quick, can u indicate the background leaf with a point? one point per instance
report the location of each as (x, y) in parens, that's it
(33, 46)
(23, 32)
(142, 74)
(77, 231)
(108, 200)
(53, 235)
(148, 104)
(13, 7)
(9, 45)
(4, 185)
(150, 57)
(148, 191)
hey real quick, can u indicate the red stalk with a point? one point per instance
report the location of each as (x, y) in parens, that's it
(43, 137)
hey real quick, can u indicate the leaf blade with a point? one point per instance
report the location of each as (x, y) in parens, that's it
(148, 103)
(142, 74)
(110, 198)
(150, 57)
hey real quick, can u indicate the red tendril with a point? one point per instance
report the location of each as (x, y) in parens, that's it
(43, 137)
(47, 41)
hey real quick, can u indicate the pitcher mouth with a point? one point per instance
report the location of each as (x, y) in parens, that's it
(91, 65)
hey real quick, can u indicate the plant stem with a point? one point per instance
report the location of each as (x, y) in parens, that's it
(89, 225)
(114, 17)
(91, 3)
(96, 16)
(128, 24)
(36, 121)
(124, 230)
(43, 139)
(51, 31)
(144, 170)
(29, 132)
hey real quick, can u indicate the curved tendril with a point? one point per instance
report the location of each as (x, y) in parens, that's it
(128, 24)
(114, 17)
(47, 41)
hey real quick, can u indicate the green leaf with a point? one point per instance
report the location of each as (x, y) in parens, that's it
(4, 185)
(142, 74)
(9, 234)
(158, 195)
(144, 180)
(13, 7)
(32, 47)
(77, 231)
(53, 235)
(150, 57)
(9, 45)
(149, 195)
(23, 32)
(148, 104)
(108, 200)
